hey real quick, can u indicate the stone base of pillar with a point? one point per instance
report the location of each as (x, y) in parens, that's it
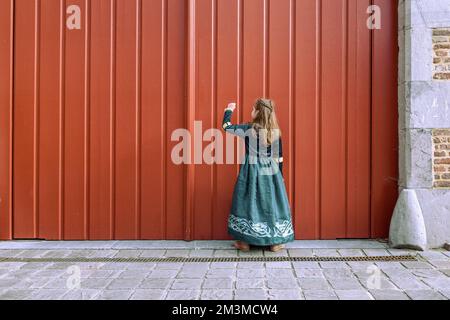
(407, 229)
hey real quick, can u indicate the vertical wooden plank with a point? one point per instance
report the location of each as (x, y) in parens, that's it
(358, 118)
(204, 111)
(176, 115)
(333, 143)
(229, 86)
(154, 52)
(25, 122)
(100, 124)
(6, 110)
(279, 78)
(384, 119)
(126, 214)
(76, 60)
(49, 115)
(307, 118)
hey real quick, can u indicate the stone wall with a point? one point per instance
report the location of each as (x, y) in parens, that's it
(424, 110)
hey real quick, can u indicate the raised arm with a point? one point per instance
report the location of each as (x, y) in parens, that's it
(239, 129)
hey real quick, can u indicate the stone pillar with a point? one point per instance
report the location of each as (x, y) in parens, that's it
(424, 110)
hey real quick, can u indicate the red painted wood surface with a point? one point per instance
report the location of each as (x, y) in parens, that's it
(94, 111)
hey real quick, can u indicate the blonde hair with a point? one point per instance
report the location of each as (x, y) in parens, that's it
(266, 121)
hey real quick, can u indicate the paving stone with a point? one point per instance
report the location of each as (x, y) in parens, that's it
(300, 252)
(218, 283)
(306, 265)
(250, 265)
(417, 265)
(222, 273)
(36, 265)
(293, 294)
(250, 294)
(9, 253)
(251, 253)
(281, 253)
(95, 283)
(319, 295)
(185, 284)
(31, 254)
(309, 273)
(351, 252)
(439, 264)
(115, 266)
(102, 274)
(85, 294)
(48, 294)
(147, 266)
(216, 295)
(353, 295)
(389, 265)
(380, 284)
(429, 273)
(333, 265)
(445, 293)
(153, 253)
(252, 273)
(128, 254)
(389, 295)
(168, 266)
(345, 284)
(119, 284)
(282, 283)
(11, 265)
(225, 253)
(409, 283)
(279, 265)
(433, 255)
(16, 294)
(183, 295)
(446, 272)
(313, 284)
(337, 273)
(377, 252)
(9, 282)
(36, 283)
(59, 283)
(361, 264)
(49, 273)
(325, 253)
(163, 274)
(279, 273)
(148, 294)
(402, 252)
(201, 253)
(223, 265)
(156, 284)
(115, 295)
(190, 273)
(438, 283)
(183, 253)
(398, 272)
(252, 283)
(134, 274)
(425, 295)
(103, 253)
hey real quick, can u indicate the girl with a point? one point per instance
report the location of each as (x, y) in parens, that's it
(260, 213)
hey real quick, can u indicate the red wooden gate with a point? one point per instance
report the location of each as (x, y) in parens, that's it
(87, 113)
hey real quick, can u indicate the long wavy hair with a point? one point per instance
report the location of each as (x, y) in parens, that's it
(265, 122)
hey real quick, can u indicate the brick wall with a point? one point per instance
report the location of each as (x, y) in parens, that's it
(441, 60)
(441, 160)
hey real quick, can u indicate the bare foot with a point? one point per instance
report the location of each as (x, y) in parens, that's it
(242, 246)
(276, 248)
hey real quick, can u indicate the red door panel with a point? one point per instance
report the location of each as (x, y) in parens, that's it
(95, 109)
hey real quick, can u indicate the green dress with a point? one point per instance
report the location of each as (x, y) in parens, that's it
(260, 213)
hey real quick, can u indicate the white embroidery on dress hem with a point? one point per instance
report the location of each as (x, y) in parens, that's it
(283, 228)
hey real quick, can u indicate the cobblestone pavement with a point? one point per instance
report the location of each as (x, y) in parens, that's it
(428, 278)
